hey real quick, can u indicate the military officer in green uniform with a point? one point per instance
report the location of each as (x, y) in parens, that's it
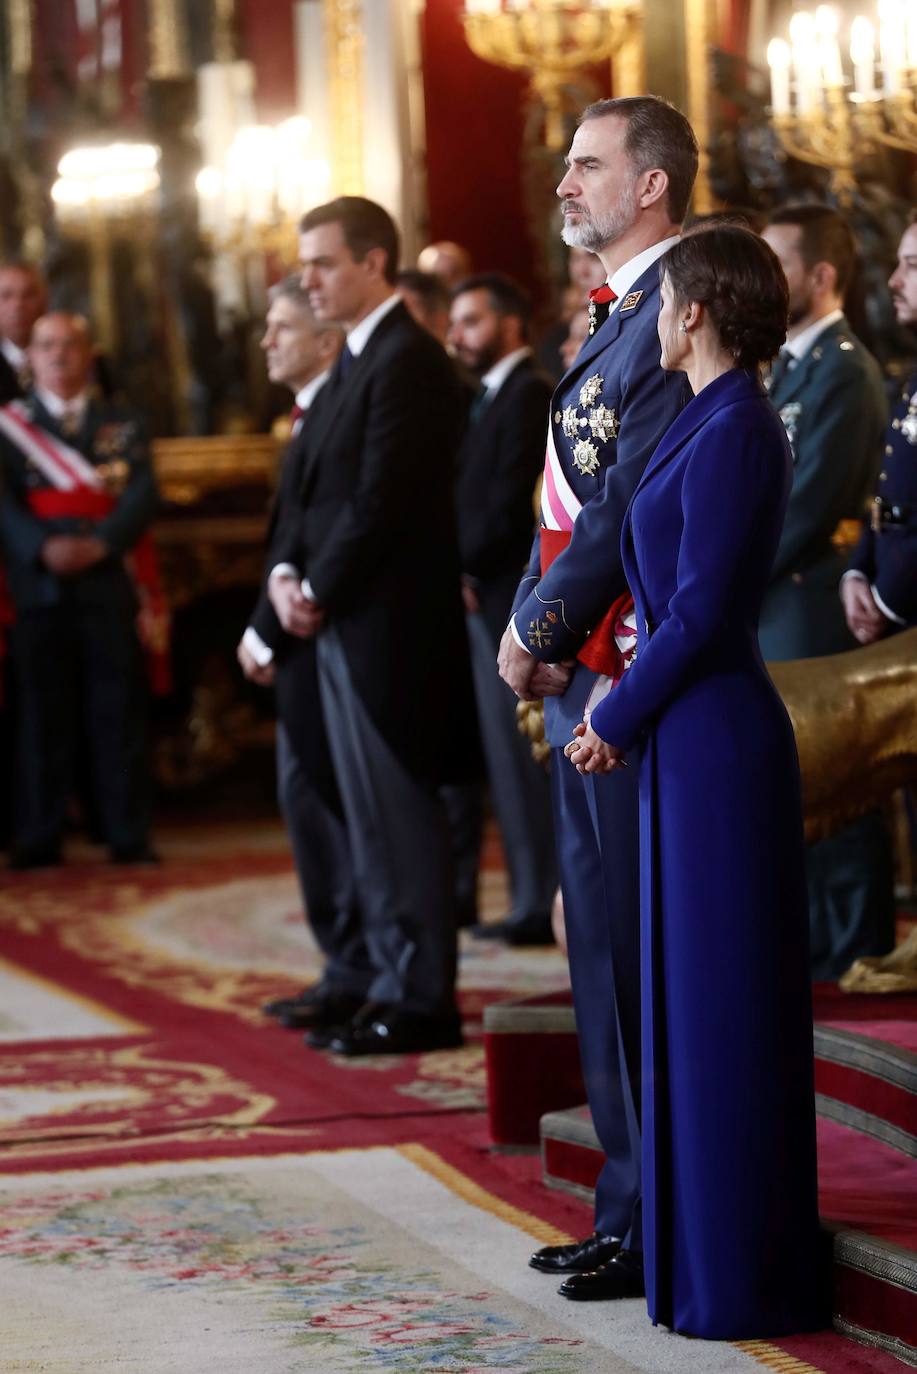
(828, 390)
(879, 592)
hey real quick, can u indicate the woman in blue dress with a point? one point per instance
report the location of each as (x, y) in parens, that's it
(732, 1246)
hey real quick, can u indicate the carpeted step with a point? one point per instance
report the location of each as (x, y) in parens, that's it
(533, 1066)
(865, 1183)
(865, 1069)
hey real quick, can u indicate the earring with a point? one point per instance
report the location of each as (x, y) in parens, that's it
(684, 327)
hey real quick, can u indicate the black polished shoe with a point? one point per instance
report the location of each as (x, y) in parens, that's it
(334, 1009)
(621, 1277)
(577, 1258)
(524, 930)
(381, 1029)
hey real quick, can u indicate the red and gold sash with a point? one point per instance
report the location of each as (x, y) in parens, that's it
(77, 493)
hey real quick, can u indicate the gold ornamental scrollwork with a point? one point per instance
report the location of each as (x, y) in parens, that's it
(168, 40)
(344, 48)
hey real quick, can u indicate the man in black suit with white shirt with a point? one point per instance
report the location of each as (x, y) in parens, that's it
(372, 573)
(300, 352)
(500, 462)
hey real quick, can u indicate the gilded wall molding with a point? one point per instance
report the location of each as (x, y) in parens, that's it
(168, 40)
(344, 49)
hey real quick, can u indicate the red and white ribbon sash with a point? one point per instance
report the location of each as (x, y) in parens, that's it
(60, 465)
(559, 503)
(560, 507)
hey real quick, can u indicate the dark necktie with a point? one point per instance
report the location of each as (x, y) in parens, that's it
(479, 404)
(343, 365)
(780, 368)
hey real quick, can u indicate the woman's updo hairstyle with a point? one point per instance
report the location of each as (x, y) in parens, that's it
(738, 280)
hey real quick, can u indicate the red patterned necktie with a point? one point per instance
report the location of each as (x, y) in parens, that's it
(296, 414)
(601, 295)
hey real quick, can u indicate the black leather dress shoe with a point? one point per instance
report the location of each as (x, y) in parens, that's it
(334, 1009)
(621, 1277)
(577, 1258)
(381, 1029)
(526, 930)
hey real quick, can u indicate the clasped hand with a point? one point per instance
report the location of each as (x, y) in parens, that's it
(528, 677)
(68, 554)
(589, 754)
(297, 614)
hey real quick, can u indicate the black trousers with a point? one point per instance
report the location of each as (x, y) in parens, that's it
(79, 671)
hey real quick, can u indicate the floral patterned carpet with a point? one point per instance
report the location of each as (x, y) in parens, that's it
(185, 1187)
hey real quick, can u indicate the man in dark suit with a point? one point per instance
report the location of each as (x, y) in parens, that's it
(500, 461)
(22, 301)
(829, 392)
(372, 572)
(630, 172)
(78, 497)
(300, 353)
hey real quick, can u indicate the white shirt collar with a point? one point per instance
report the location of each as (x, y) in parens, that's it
(800, 346)
(307, 394)
(14, 355)
(56, 406)
(622, 280)
(497, 375)
(358, 337)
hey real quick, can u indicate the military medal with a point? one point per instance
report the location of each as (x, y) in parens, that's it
(602, 295)
(586, 457)
(570, 422)
(909, 423)
(603, 423)
(591, 390)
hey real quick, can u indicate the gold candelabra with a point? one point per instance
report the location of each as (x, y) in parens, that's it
(551, 39)
(827, 118)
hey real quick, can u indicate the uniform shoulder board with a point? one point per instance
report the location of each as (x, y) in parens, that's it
(630, 301)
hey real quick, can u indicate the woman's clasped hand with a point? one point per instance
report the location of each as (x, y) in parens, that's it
(589, 754)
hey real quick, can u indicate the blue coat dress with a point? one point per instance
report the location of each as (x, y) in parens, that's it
(730, 1206)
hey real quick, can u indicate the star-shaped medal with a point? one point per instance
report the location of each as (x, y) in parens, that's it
(586, 457)
(591, 390)
(603, 423)
(909, 426)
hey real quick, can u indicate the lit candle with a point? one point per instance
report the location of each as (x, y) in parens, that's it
(826, 23)
(778, 59)
(803, 37)
(863, 57)
(891, 44)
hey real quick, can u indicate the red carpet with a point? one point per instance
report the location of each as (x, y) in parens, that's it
(130, 1032)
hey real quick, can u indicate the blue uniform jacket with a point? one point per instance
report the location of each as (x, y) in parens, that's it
(887, 556)
(607, 415)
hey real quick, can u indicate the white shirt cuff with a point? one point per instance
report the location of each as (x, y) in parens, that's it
(516, 636)
(886, 610)
(854, 573)
(260, 652)
(284, 570)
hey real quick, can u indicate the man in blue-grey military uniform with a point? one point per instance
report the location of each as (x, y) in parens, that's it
(630, 174)
(828, 390)
(879, 591)
(78, 497)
